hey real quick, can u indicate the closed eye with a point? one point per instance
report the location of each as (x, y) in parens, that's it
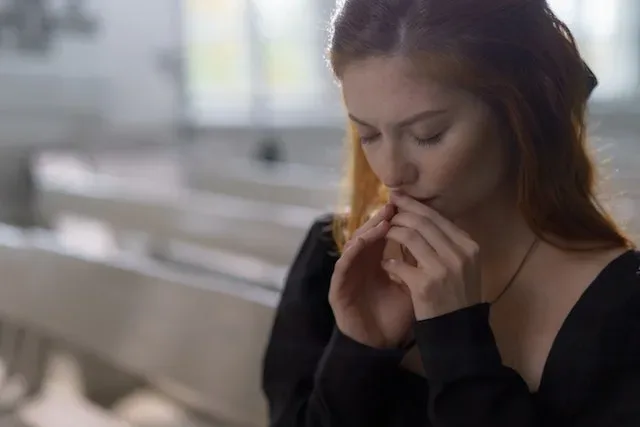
(432, 140)
(369, 139)
(421, 141)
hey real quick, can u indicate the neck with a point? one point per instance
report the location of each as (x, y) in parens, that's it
(504, 238)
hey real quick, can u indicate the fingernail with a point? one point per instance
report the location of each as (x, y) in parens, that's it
(386, 263)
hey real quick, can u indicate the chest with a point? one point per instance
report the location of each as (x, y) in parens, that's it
(526, 324)
(525, 327)
(524, 338)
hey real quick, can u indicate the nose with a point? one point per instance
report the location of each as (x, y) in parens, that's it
(397, 171)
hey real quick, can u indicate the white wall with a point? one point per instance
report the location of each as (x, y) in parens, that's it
(135, 34)
(139, 100)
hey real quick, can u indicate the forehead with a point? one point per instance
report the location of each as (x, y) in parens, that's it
(388, 89)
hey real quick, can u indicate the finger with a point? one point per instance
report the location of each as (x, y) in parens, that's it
(406, 203)
(424, 254)
(385, 213)
(375, 234)
(351, 253)
(408, 275)
(347, 257)
(433, 234)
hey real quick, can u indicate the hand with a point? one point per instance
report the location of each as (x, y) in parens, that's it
(447, 275)
(368, 306)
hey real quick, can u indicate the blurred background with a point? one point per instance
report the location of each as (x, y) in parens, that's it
(160, 162)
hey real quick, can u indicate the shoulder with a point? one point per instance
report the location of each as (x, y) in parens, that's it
(318, 243)
(321, 228)
(601, 334)
(617, 294)
(596, 356)
(621, 280)
(311, 271)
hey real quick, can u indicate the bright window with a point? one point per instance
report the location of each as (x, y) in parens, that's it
(253, 60)
(606, 34)
(218, 62)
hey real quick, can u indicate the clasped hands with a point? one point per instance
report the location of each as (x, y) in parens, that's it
(377, 311)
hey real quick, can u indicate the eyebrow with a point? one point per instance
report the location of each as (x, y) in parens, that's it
(423, 115)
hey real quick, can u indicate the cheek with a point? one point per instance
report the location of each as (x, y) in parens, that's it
(467, 169)
(376, 159)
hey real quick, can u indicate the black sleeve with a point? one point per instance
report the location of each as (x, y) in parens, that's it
(313, 375)
(617, 401)
(465, 371)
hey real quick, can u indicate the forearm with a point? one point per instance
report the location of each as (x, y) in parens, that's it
(354, 382)
(469, 385)
(351, 388)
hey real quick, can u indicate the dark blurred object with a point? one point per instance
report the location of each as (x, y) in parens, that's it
(76, 20)
(34, 24)
(18, 189)
(592, 80)
(270, 151)
(31, 23)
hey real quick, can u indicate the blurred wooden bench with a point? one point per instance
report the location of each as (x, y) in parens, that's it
(199, 339)
(268, 231)
(289, 184)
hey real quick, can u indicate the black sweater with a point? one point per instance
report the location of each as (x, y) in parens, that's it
(316, 376)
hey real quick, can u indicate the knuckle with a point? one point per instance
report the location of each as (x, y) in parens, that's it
(423, 222)
(333, 299)
(340, 265)
(425, 214)
(394, 233)
(350, 243)
(412, 236)
(427, 291)
(377, 217)
(438, 274)
(457, 263)
(333, 287)
(472, 249)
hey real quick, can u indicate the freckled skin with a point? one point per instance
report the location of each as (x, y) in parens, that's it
(466, 167)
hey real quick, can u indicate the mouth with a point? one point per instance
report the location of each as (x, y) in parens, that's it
(423, 200)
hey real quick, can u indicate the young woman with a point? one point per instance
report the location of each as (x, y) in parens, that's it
(475, 280)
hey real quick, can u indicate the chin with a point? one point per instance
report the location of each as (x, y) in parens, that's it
(434, 203)
(444, 210)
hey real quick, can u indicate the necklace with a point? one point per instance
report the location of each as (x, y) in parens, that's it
(525, 258)
(412, 341)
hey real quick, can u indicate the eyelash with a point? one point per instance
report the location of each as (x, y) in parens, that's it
(420, 141)
(431, 140)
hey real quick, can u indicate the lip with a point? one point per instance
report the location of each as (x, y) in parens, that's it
(425, 200)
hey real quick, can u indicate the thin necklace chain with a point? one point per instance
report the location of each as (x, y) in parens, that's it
(524, 260)
(412, 341)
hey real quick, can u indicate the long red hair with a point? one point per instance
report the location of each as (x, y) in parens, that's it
(519, 58)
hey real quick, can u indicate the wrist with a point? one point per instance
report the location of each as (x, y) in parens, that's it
(430, 311)
(350, 344)
(368, 339)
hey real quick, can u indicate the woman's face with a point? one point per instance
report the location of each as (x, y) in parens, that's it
(435, 143)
